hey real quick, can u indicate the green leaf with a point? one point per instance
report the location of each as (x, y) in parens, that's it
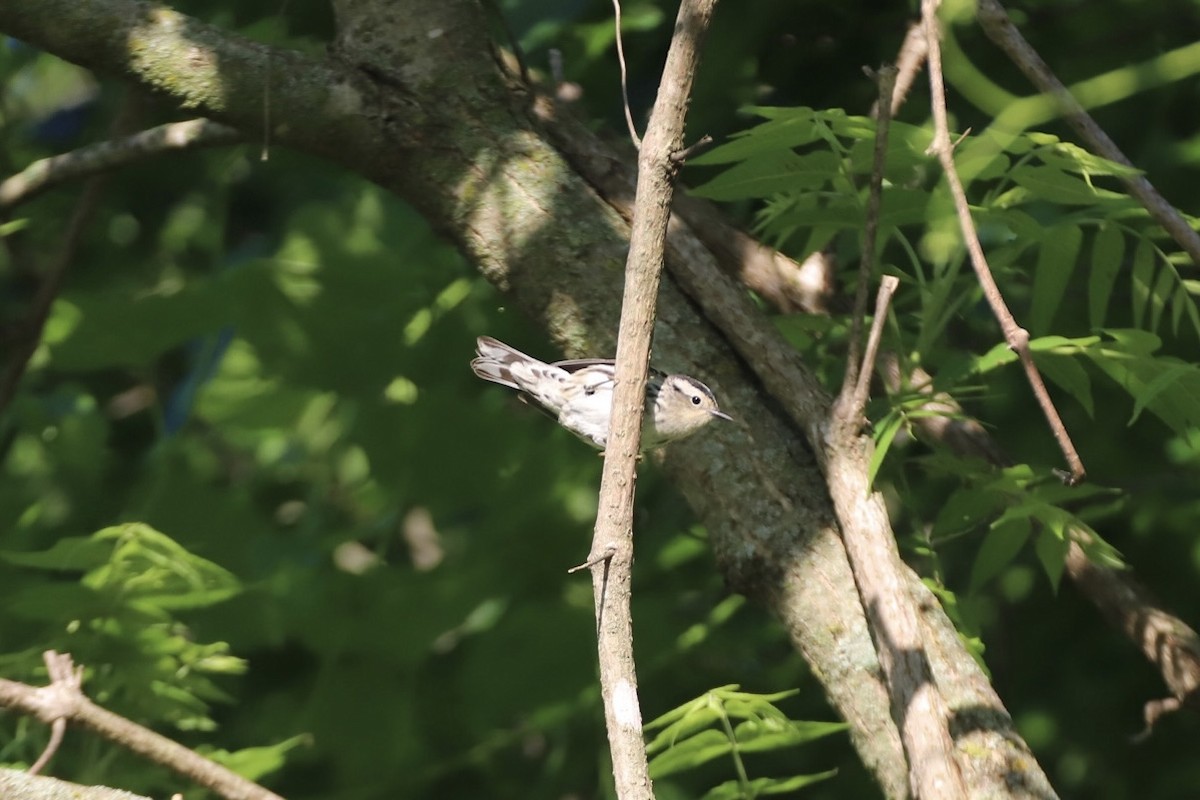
(1068, 374)
(794, 129)
(771, 173)
(1108, 250)
(999, 548)
(1161, 383)
(1160, 294)
(1142, 278)
(255, 763)
(998, 356)
(1051, 548)
(1071, 157)
(885, 433)
(149, 570)
(756, 736)
(679, 712)
(680, 730)
(700, 748)
(1167, 387)
(965, 509)
(1056, 262)
(736, 790)
(72, 553)
(1056, 186)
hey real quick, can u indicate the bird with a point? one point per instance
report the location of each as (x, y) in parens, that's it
(579, 392)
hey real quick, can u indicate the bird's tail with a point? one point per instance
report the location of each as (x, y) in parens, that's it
(495, 361)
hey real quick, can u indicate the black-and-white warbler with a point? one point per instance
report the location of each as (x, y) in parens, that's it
(579, 394)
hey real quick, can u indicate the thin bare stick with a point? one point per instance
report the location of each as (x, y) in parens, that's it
(993, 18)
(909, 60)
(633, 134)
(611, 578)
(887, 288)
(57, 729)
(886, 81)
(1016, 336)
(692, 150)
(63, 699)
(49, 172)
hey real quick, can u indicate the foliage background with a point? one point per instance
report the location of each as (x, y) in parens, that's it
(266, 361)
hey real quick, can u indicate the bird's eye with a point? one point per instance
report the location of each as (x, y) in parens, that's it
(695, 399)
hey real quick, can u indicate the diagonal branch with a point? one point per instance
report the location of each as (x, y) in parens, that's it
(1000, 29)
(1016, 336)
(49, 172)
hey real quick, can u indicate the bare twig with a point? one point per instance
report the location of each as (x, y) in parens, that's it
(680, 157)
(57, 729)
(49, 172)
(611, 578)
(886, 80)
(518, 52)
(1016, 336)
(63, 699)
(887, 288)
(909, 60)
(633, 134)
(999, 28)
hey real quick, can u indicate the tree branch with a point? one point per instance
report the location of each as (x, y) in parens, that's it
(64, 700)
(612, 577)
(16, 785)
(999, 28)
(1016, 336)
(49, 172)
(918, 707)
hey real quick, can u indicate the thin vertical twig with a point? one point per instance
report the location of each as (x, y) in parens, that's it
(611, 556)
(887, 288)
(633, 134)
(886, 80)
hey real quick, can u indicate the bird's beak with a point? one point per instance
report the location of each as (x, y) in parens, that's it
(722, 415)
